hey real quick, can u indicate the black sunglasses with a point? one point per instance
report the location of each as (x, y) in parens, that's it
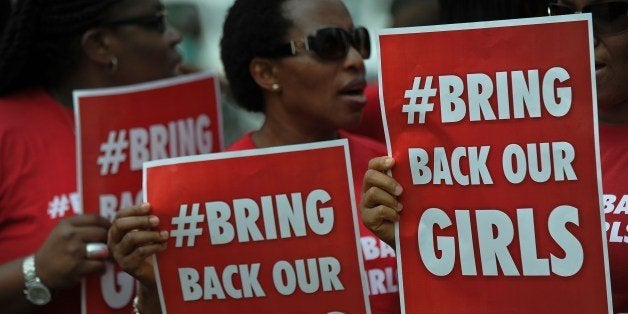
(608, 17)
(155, 22)
(330, 43)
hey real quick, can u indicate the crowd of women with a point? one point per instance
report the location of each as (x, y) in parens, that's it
(300, 62)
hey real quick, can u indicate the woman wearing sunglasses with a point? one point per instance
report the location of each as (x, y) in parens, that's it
(380, 208)
(301, 63)
(48, 49)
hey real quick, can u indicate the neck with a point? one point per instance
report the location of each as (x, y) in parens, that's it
(616, 115)
(275, 134)
(62, 95)
(87, 77)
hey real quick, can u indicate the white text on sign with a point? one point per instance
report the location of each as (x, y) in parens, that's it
(182, 137)
(540, 162)
(495, 232)
(291, 215)
(529, 93)
(307, 276)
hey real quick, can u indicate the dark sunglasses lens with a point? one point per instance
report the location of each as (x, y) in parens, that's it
(609, 17)
(330, 43)
(157, 23)
(362, 42)
(558, 9)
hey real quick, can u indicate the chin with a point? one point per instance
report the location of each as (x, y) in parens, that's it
(352, 122)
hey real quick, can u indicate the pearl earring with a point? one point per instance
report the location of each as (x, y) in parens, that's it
(275, 87)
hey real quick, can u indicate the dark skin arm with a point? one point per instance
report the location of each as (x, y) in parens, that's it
(60, 262)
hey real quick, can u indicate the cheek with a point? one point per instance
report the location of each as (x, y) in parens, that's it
(317, 82)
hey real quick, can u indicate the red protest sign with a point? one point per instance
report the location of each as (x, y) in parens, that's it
(493, 127)
(120, 128)
(259, 231)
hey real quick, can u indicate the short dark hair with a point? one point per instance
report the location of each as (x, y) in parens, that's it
(41, 39)
(252, 29)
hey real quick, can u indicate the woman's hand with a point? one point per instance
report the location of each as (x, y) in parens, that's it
(378, 205)
(132, 240)
(62, 260)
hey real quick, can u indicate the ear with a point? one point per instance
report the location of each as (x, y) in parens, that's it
(264, 73)
(96, 44)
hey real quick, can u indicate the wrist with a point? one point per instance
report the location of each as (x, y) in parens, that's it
(146, 300)
(34, 289)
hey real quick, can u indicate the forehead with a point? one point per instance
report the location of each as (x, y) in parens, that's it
(309, 15)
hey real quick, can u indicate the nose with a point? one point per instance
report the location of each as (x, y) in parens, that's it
(173, 36)
(354, 60)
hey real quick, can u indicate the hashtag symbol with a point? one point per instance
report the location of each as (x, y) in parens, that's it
(187, 225)
(58, 206)
(415, 93)
(112, 152)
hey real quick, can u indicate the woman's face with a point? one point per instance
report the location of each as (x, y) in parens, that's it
(320, 94)
(146, 50)
(611, 67)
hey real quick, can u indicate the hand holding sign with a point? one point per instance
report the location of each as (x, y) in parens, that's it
(132, 240)
(61, 260)
(378, 205)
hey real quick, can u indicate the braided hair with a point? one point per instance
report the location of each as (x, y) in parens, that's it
(252, 28)
(5, 10)
(41, 39)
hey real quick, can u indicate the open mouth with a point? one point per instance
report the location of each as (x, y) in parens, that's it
(353, 92)
(354, 88)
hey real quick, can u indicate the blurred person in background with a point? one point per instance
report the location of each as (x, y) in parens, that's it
(48, 49)
(200, 24)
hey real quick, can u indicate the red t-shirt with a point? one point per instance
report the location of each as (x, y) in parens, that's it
(614, 157)
(379, 259)
(37, 179)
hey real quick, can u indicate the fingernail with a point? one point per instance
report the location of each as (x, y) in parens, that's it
(145, 206)
(398, 190)
(399, 207)
(154, 220)
(388, 162)
(163, 234)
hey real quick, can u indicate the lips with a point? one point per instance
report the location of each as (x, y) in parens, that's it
(599, 65)
(353, 93)
(355, 87)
